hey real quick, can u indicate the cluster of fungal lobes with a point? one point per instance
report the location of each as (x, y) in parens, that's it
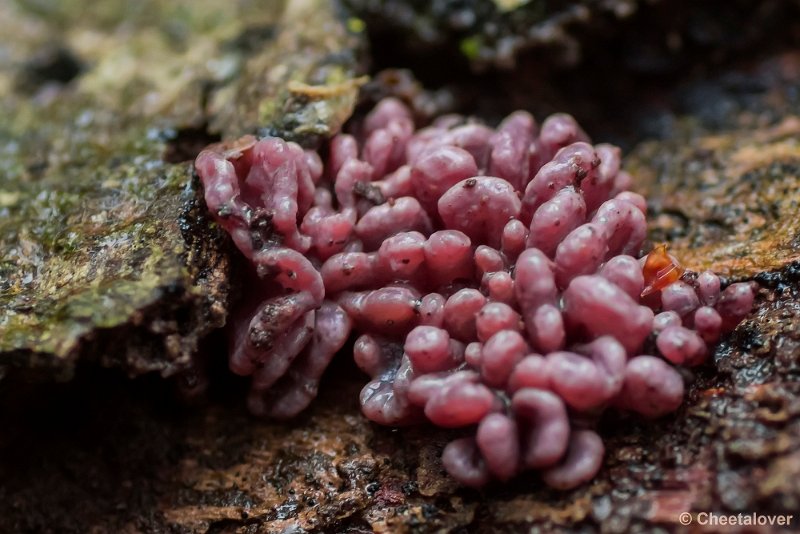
(491, 276)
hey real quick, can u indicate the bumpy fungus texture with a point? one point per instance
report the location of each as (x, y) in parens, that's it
(491, 276)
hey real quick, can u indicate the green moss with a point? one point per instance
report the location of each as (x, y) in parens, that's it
(356, 25)
(471, 46)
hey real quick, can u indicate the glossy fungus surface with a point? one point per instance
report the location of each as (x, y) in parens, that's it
(492, 279)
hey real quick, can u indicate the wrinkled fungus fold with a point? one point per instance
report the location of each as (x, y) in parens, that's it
(492, 279)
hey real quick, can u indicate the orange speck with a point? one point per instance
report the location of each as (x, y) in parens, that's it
(660, 270)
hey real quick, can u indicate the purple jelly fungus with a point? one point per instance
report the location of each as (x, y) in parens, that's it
(492, 279)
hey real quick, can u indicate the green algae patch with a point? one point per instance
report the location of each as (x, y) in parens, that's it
(106, 253)
(107, 262)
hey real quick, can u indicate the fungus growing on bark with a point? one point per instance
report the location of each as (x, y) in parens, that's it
(492, 277)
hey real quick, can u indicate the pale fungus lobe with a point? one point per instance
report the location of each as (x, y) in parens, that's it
(493, 280)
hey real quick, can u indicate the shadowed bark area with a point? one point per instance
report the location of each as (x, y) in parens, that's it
(104, 453)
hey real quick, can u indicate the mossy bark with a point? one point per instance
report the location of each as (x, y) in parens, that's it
(105, 250)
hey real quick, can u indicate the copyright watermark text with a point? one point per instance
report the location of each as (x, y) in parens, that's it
(737, 520)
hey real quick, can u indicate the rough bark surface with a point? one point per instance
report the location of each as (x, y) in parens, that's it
(106, 253)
